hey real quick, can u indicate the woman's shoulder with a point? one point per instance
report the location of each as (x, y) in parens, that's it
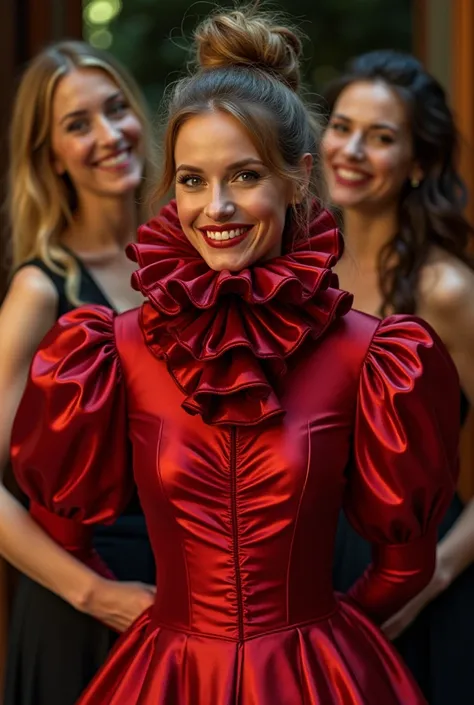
(446, 300)
(446, 284)
(31, 287)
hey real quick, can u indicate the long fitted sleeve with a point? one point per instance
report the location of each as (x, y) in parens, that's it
(405, 461)
(69, 450)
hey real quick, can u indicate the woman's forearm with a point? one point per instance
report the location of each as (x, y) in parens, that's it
(456, 549)
(26, 546)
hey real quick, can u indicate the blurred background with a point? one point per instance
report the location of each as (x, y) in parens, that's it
(151, 37)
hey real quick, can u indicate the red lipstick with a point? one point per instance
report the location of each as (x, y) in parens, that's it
(228, 227)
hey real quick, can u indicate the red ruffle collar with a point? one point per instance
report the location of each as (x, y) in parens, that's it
(227, 337)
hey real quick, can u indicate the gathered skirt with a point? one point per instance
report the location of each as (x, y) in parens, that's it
(342, 659)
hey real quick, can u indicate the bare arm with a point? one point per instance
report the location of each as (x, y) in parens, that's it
(27, 314)
(448, 305)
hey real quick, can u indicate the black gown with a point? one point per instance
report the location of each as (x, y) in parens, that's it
(54, 650)
(438, 646)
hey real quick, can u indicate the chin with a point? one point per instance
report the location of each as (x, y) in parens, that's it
(126, 186)
(221, 263)
(346, 201)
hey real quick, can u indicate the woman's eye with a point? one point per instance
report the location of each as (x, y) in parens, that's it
(339, 127)
(189, 180)
(77, 126)
(248, 176)
(384, 139)
(118, 108)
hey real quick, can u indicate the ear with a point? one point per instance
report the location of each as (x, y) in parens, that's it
(58, 167)
(306, 166)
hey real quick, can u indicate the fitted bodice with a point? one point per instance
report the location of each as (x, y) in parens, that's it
(243, 519)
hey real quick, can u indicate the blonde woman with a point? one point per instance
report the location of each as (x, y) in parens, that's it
(79, 142)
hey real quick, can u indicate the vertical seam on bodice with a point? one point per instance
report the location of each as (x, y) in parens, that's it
(300, 502)
(236, 533)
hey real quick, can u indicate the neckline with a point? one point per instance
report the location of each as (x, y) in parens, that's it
(228, 338)
(92, 280)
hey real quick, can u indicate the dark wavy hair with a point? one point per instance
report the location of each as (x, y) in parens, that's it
(432, 213)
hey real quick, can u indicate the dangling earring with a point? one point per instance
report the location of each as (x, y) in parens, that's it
(415, 182)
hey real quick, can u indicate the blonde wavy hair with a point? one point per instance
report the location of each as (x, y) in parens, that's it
(41, 203)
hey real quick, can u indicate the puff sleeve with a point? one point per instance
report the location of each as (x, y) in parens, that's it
(405, 461)
(69, 447)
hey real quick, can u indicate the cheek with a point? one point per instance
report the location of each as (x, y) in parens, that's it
(392, 166)
(188, 210)
(270, 203)
(132, 128)
(72, 152)
(270, 210)
(329, 146)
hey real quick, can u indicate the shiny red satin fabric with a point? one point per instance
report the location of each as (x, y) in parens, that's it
(242, 517)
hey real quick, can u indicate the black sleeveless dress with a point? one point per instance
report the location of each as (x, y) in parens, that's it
(54, 650)
(438, 646)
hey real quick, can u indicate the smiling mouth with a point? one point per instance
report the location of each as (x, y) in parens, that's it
(350, 177)
(119, 159)
(225, 238)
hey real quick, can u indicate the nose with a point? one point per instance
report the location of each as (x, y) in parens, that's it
(108, 132)
(354, 146)
(220, 206)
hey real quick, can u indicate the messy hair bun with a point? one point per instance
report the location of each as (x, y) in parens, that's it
(245, 38)
(248, 68)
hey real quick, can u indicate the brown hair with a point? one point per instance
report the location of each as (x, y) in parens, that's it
(248, 65)
(40, 202)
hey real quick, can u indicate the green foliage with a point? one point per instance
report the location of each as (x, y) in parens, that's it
(151, 37)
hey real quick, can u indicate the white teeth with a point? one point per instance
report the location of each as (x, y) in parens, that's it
(225, 234)
(350, 175)
(115, 161)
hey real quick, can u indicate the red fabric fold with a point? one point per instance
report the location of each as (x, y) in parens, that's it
(73, 536)
(59, 453)
(397, 574)
(228, 337)
(406, 442)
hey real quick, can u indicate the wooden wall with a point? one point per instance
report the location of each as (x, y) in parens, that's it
(26, 26)
(444, 41)
(462, 92)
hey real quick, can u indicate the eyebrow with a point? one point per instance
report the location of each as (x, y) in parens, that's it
(230, 167)
(374, 126)
(81, 113)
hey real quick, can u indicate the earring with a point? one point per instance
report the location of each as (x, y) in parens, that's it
(415, 182)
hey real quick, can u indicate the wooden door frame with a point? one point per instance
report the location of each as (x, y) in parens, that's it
(27, 26)
(459, 52)
(462, 92)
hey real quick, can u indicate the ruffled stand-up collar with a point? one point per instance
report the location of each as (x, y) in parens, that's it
(227, 337)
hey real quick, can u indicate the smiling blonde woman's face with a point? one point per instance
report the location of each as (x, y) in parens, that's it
(96, 137)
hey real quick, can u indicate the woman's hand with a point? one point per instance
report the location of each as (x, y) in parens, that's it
(118, 604)
(397, 624)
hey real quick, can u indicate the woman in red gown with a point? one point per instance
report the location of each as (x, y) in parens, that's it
(254, 403)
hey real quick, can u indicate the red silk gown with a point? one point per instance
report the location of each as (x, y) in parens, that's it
(254, 405)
